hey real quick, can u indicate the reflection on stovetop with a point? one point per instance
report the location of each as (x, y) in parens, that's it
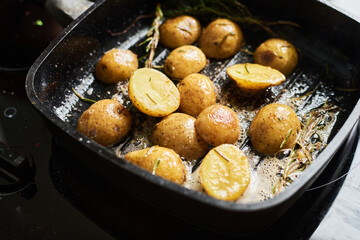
(124, 216)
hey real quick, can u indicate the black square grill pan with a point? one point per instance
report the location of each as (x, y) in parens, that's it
(328, 71)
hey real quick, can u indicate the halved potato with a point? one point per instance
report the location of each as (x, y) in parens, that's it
(161, 161)
(153, 93)
(252, 77)
(225, 172)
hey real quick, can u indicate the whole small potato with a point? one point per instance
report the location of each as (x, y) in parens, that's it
(106, 122)
(183, 61)
(276, 126)
(218, 125)
(277, 53)
(177, 131)
(116, 65)
(161, 161)
(197, 92)
(221, 39)
(179, 31)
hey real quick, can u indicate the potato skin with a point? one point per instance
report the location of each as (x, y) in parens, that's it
(271, 125)
(183, 61)
(221, 39)
(218, 125)
(179, 31)
(106, 122)
(170, 165)
(277, 53)
(177, 131)
(116, 65)
(197, 92)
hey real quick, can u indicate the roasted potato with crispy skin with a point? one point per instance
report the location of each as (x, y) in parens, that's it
(218, 125)
(183, 61)
(277, 53)
(225, 172)
(221, 39)
(177, 131)
(179, 31)
(161, 161)
(116, 65)
(197, 92)
(153, 93)
(276, 126)
(252, 78)
(106, 122)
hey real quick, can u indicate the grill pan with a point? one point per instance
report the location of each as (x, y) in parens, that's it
(329, 67)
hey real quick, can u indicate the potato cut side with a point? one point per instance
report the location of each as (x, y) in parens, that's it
(153, 93)
(252, 77)
(225, 172)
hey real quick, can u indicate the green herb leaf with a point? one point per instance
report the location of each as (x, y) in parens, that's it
(286, 138)
(155, 166)
(246, 68)
(221, 155)
(82, 98)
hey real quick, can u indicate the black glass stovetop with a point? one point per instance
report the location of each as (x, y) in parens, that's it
(52, 195)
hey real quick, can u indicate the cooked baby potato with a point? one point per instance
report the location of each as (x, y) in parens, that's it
(225, 172)
(252, 78)
(197, 92)
(277, 53)
(106, 122)
(276, 126)
(183, 61)
(161, 161)
(153, 93)
(116, 65)
(179, 31)
(218, 124)
(221, 39)
(177, 131)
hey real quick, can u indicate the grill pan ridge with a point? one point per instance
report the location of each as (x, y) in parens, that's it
(325, 37)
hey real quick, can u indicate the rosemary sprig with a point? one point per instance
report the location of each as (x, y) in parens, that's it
(207, 10)
(301, 154)
(82, 98)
